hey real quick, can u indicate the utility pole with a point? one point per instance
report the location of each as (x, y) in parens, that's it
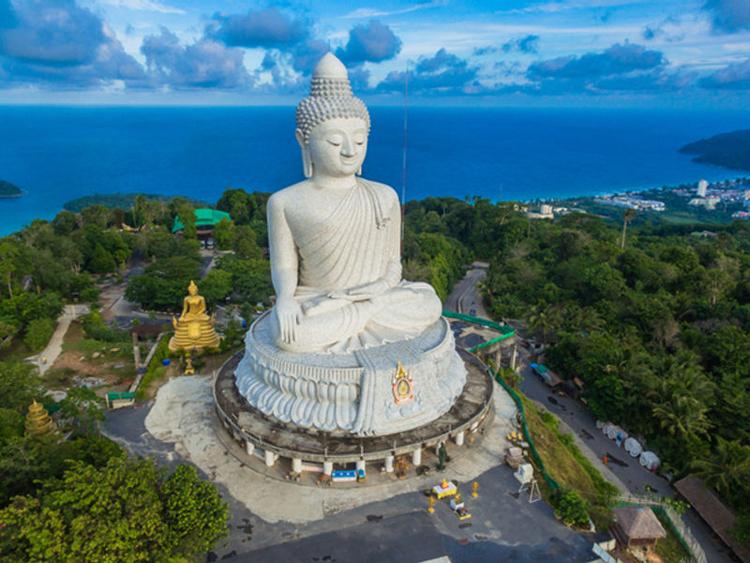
(403, 151)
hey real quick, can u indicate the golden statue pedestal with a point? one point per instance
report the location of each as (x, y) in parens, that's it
(194, 329)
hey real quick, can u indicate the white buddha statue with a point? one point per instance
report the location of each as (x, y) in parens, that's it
(335, 237)
(350, 347)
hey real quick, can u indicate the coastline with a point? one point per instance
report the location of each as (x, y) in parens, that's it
(584, 200)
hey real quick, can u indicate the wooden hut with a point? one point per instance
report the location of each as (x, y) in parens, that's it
(637, 527)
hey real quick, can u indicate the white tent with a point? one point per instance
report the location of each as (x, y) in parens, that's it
(633, 447)
(650, 461)
(606, 427)
(616, 433)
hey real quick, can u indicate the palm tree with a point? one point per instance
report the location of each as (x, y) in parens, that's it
(543, 318)
(683, 417)
(627, 217)
(727, 468)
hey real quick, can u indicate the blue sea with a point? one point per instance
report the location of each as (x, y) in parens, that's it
(56, 154)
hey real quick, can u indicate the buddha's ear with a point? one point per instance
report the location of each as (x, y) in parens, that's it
(307, 167)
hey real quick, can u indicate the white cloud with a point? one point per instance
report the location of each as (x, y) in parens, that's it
(378, 13)
(144, 6)
(560, 6)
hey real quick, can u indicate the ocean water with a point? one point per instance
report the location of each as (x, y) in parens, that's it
(56, 154)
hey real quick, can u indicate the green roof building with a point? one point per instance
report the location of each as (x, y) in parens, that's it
(205, 219)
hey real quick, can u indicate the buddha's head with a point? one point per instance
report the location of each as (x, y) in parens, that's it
(192, 288)
(332, 124)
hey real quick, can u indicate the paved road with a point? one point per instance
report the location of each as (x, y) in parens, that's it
(44, 359)
(622, 470)
(464, 297)
(504, 526)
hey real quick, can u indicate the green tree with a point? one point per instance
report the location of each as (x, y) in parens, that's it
(124, 511)
(19, 386)
(627, 217)
(216, 286)
(543, 319)
(9, 253)
(164, 283)
(186, 212)
(38, 333)
(233, 335)
(112, 514)
(245, 243)
(65, 222)
(195, 512)
(96, 215)
(101, 262)
(224, 234)
(727, 469)
(251, 279)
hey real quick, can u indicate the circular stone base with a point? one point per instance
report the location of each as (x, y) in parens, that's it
(270, 439)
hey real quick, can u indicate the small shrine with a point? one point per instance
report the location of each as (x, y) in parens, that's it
(38, 421)
(194, 329)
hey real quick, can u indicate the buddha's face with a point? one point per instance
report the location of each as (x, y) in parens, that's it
(337, 147)
(193, 290)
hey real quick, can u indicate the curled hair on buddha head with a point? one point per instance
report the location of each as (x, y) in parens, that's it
(330, 97)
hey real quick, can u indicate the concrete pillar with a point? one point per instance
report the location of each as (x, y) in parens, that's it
(250, 448)
(459, 438)
(360, 464)
(416, 457)
(296, 465)
(270, 458)
(513, 357)
(327, 468)
(389, 464)
(498, 358)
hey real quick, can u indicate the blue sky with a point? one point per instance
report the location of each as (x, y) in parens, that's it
(648, 53)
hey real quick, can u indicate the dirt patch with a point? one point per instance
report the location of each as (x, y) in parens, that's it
(110, 362)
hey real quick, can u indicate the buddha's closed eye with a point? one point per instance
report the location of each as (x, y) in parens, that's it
(336, 140)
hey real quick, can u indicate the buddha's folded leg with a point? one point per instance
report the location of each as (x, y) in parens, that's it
(409, 307)
(401, 312)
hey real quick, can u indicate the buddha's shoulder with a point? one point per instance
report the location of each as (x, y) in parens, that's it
(384, 191)
(280, 198)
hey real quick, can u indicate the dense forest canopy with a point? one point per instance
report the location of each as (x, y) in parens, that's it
(655, 318)
(656, 324)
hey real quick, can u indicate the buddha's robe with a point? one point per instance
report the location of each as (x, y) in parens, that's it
(358, 243)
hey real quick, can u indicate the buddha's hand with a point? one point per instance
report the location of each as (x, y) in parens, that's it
(289, 315)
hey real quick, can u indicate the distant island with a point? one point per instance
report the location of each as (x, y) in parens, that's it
(112, 201)
(730, 150)
(8, 190)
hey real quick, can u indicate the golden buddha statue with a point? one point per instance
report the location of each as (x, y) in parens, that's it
(194, 330)
(38, 421)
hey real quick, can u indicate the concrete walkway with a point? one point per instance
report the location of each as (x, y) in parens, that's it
(44, 359)
(183, 413)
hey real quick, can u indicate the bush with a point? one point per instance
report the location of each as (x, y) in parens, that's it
(96, 329)
(572, 509)
(155, 370)
(89, 295)
(38, 333)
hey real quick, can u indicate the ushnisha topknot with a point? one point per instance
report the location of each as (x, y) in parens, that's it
(330, 97)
